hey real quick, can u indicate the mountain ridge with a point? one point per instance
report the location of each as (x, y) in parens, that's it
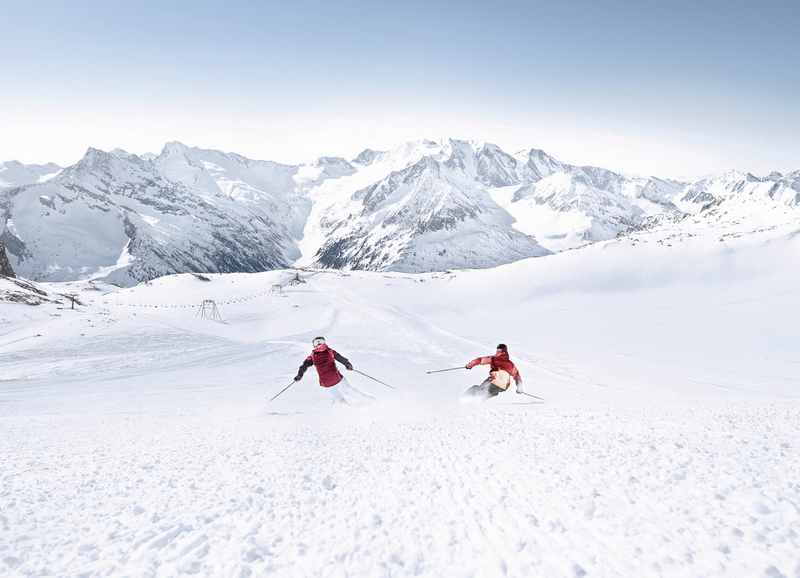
(424, 205)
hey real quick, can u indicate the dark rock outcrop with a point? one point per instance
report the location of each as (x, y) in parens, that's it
(5, 265)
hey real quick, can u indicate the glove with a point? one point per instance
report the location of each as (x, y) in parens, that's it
(468, 366)
(520, 390)
(349, 367)
(297, 378)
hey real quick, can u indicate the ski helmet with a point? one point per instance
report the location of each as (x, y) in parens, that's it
(317, 341)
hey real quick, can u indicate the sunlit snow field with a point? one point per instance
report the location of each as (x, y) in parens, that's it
(137, 440)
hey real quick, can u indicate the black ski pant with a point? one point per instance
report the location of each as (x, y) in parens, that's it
(487, 388)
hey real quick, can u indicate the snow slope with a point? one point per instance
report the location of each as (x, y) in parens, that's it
(135, 438)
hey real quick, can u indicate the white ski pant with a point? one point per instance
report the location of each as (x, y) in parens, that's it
(343, 392)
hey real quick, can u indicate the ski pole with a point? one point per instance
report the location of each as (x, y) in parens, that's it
(531, 395)
(373, 379)
(281, 391)
(442, 370)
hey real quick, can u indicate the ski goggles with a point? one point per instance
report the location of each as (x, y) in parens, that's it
(318, 341)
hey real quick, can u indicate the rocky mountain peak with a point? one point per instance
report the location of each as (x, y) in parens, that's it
(367, 157)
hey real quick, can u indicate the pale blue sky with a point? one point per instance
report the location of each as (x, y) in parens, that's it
(667, 88)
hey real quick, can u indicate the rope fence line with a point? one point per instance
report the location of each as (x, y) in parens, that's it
(187, 306)
(233, 301)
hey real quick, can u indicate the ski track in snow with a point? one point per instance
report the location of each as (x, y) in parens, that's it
(139, 442)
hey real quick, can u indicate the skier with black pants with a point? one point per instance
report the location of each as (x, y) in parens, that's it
(501, 371)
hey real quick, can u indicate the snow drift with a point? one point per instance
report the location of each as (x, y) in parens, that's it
(135, 438)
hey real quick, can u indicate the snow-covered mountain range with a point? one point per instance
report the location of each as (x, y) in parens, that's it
(15, 173)
(424, 206)
(120, 216)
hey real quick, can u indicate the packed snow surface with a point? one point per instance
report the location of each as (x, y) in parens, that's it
(136, 439)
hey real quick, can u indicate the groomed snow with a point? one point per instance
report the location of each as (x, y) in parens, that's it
(137, 440)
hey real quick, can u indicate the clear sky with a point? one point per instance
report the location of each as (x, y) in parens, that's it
(666, 88)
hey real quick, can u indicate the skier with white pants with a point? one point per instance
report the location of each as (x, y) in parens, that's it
(324, 359)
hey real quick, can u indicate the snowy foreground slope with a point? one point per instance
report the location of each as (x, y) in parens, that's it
(136, 440)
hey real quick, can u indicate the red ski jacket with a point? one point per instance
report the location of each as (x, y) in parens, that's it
(324, 359)
(496, 363)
